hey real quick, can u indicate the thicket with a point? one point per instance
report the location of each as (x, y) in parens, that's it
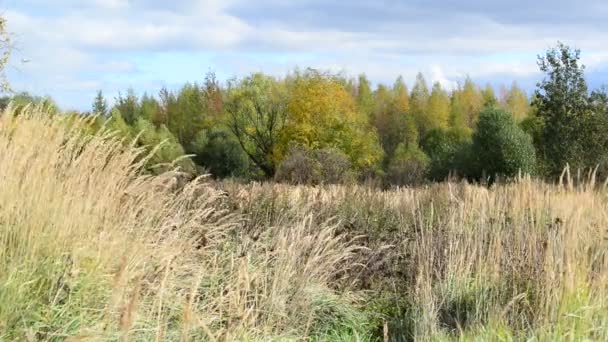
(247, 128)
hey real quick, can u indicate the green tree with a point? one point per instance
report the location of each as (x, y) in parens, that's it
(118, 124)
(257, 113)
(166, 151)
(599, 100)
(572, 132)
(166, 105)
(365, 99)
(187, 115)
(419, 100)
(393, 124)
(100, 105)
(128, 106)
(148, 107)
(500, 147)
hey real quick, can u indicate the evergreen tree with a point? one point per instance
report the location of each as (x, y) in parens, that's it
(100, 105)
(128, 106)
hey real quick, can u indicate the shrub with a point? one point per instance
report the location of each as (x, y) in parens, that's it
(167, 151)
(221, 153)
(500, 147)
(407, 167)
(323, 166)
(447, 151)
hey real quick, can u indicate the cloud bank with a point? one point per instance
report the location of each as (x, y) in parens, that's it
(77, 47)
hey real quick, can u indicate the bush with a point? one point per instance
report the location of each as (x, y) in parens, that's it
(408, 166)
(323, 166)
(500, 147)
(447, 151)
(20, 101)
(221, 153)
(167, 151)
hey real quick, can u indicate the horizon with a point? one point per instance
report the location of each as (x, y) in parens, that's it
(74, 48)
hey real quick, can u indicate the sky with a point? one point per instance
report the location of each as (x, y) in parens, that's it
(75, 47)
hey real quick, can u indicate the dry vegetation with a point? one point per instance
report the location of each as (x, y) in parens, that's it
(91, 248)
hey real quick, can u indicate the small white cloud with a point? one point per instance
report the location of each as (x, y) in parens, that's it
(111, 4)
(437, 75)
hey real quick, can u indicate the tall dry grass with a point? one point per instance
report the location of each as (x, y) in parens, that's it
(456, 261)
(92, 248)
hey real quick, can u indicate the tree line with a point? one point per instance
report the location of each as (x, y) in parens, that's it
(316, 127)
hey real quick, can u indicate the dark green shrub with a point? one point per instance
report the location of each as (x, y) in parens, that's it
(500, 147)
(221, 154)
(446, 150)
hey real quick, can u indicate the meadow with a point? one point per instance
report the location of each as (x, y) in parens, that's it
(93, 248)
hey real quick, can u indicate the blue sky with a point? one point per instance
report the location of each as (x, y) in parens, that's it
(79, 46)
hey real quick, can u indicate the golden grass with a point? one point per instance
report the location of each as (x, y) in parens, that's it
(525, 260)
(92, 248)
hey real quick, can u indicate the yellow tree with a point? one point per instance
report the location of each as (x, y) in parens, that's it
(391, 121)
(458, 121)
(438, 109)
(401, 96)
(381, 118)
(471, 101)
(323, 114)
(489, 97)
(515, 101)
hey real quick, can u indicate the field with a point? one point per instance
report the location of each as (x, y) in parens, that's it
(92, 248)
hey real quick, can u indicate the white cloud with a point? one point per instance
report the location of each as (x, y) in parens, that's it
(80, 43)
(113, 5)
(437, 75)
